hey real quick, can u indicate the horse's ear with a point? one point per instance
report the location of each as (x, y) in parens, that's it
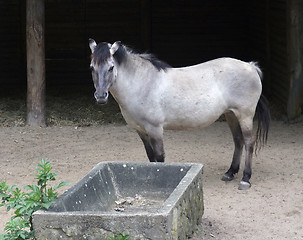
(114, 47)
(92, 44)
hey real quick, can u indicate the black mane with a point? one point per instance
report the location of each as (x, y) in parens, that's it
(157, 63)
(124, 50)
(101, 53)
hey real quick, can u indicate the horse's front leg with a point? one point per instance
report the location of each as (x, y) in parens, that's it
(157, 145)
(153, 143)
(148, 148)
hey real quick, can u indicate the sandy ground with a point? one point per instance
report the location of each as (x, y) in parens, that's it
(271, 209)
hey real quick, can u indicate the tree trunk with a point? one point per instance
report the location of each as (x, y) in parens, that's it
(35, 63)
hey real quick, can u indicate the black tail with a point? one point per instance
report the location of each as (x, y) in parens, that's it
(263, 115)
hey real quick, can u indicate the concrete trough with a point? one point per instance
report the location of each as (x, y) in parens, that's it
(159, 201)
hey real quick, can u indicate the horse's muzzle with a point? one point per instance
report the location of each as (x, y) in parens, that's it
(101, 99)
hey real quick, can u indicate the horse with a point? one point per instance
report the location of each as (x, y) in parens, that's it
(153, 97)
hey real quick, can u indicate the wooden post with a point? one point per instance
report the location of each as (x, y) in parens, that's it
(295, 57)
(35, 62)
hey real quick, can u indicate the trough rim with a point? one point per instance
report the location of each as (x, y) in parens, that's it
(166, 208)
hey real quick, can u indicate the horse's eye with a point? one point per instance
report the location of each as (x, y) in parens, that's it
(111, 69)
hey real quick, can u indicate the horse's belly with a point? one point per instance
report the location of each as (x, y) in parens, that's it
(192, 119)
(187, 124)
(182, 125)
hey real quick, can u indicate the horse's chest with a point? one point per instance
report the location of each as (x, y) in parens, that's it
(133, 119)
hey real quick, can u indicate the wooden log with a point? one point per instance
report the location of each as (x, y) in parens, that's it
(35, 19)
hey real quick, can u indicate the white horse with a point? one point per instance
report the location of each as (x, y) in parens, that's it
(154, 96)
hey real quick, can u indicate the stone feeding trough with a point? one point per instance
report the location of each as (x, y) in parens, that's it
(144, 200)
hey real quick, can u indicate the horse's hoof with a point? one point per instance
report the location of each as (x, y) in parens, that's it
(244, 185)
(227, 178)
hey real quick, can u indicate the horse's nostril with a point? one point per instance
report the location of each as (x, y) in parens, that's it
(97, 96)
(101, 98)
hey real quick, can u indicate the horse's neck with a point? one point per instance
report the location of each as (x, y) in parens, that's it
(132, 76)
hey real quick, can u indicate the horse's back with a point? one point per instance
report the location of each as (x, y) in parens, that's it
(229, 77)
(221, 69)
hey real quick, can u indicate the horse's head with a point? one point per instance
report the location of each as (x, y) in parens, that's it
(104, 71)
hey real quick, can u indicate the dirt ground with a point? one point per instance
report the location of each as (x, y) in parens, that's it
(271, 209)
(81, 134)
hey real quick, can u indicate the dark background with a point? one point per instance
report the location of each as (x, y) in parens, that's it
(179, 32)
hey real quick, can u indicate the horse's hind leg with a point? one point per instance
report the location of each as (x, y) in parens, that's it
(235, 128)
(249, 141)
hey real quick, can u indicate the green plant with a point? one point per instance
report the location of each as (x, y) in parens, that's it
(25, 203)
(119, 237)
